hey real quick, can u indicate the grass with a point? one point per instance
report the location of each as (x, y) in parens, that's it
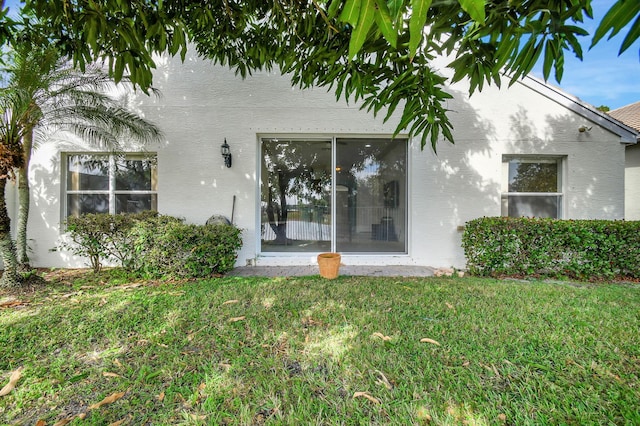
(305, 350)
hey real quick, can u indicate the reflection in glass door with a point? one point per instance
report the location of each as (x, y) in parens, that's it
(364, 179)
(296, 195)
(370, 195)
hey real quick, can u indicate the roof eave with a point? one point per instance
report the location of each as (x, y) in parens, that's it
(628, 135)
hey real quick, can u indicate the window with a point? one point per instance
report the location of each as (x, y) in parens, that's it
(532, 187)
(108, 183)
(334, 194)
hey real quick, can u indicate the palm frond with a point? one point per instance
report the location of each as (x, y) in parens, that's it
(95, 135)
(43, 91)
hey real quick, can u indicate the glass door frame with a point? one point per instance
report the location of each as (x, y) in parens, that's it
(334, 163)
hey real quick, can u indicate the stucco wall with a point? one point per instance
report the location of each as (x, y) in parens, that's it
(464, 180)
(202, 104)
(632, 183)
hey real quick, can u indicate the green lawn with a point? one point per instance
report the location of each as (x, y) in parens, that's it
(312, 351)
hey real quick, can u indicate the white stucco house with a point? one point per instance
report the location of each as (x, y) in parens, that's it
(310, 174)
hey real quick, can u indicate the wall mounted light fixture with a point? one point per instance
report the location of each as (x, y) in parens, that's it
(583, 129)
(226, 153)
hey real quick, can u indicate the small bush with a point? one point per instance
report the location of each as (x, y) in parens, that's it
(156, 246)
(584, 249)
(104, 238)
(168, 247)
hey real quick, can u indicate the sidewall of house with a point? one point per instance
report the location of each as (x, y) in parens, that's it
(632, 183)
(202, 104)
(464, 181)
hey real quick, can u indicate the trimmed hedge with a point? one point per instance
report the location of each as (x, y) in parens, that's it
(171, 248)
(153, 245)
(583, 249)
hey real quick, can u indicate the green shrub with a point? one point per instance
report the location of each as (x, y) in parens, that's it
(584, 249)
(103, 237)
(166, 247)
(154, 245)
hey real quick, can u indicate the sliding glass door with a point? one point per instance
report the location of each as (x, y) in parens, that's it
(370, 195)
(340, 194)
(296, 195)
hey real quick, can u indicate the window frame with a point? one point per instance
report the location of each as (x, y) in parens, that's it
(559, 160)
(111, 191)
(334, 139)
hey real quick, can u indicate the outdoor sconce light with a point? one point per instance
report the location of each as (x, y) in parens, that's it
(226, 153)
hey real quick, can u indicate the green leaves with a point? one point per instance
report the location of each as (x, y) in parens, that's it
(620, 14)
(417, 21)
(167, 247)
(359, 48)
(550, 53)
(475, 9)
(361, 16)
(333, 8)
(351, 12)
(158, 246)
(585, 249)
(362, 27)
(125, 34)
(385, 22)
(632, 36)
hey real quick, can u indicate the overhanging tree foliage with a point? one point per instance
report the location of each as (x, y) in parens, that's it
(62, 98)
(378, 51)
(41, 92)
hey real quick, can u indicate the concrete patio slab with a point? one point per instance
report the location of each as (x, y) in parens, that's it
(345, 270)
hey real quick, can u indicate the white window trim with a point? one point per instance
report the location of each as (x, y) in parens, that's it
(111, 192)
(560, 160)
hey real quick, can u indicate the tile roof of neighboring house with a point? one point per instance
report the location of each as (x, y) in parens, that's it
(628, 114)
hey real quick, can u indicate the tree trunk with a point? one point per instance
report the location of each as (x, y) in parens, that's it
(23, 202)
(10, 277)
(277, 225)
(281, 233)
(278, 216)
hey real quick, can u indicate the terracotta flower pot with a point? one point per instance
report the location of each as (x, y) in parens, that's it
(329, 265)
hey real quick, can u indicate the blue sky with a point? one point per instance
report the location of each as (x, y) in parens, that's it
(602, 78)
